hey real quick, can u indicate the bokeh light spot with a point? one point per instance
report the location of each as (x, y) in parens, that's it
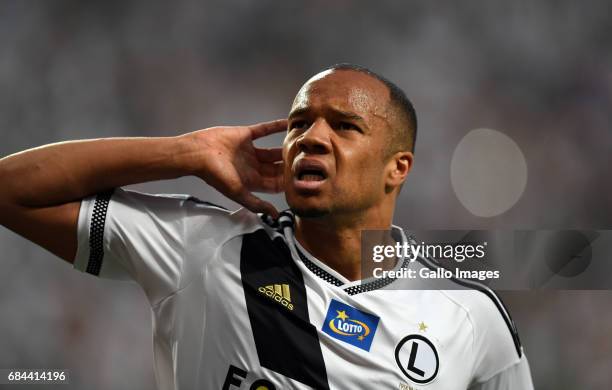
(488, 172)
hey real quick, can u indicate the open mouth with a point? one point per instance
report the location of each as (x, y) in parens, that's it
(311, 175)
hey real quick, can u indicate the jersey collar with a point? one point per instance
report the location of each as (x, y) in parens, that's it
(285, 223)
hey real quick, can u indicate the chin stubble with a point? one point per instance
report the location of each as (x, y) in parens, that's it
(310, 212)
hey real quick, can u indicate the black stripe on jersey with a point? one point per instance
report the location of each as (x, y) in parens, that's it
(96, 232)
(499, 304)
(285, 339)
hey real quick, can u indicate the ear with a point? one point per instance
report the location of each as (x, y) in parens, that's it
(397, 169)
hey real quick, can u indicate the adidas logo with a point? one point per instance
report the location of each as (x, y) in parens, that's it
(279, 293)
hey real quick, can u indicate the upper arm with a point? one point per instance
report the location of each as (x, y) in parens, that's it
(129, 235)
(53, 228)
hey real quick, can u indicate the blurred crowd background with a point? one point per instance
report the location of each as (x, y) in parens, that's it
(538, 72)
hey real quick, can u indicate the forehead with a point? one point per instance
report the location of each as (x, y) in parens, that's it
(344, 90)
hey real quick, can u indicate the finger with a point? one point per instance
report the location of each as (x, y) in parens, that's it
(266, 128)
(257, 205)
(269, 155)
(271, 170)
(271, 185)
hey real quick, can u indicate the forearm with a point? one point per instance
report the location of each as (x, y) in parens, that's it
(63, 172)
(41, 188)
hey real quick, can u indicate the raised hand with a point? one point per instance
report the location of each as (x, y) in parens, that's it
(228, 160)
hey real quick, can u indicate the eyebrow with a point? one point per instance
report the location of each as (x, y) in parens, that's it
(343, 114)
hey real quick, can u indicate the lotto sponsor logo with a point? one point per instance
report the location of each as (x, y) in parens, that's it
(353, 326)
(348, 327)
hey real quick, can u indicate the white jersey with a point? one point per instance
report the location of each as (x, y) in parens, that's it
(237, 303)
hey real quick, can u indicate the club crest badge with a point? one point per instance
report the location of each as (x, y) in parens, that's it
(418, 359)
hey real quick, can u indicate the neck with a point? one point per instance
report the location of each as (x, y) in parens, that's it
(336, 240)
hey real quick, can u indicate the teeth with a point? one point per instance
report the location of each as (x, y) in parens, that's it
(311, 177)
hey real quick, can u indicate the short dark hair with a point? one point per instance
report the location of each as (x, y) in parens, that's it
(404, 137)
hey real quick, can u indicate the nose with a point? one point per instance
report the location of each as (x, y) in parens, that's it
(316, 139)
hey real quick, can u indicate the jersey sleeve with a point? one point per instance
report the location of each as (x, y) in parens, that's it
(515, 377)
(128, 235)
(500, 362)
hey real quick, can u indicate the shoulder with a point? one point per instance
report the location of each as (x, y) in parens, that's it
(489, 315)
(205, 219)
(496, 341)
(490, 318)
(177, 215)
(496, 344)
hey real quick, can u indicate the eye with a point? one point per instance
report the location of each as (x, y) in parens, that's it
(298, 125)
(348, 126)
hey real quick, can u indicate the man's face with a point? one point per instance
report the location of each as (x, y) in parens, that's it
(335, 145)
